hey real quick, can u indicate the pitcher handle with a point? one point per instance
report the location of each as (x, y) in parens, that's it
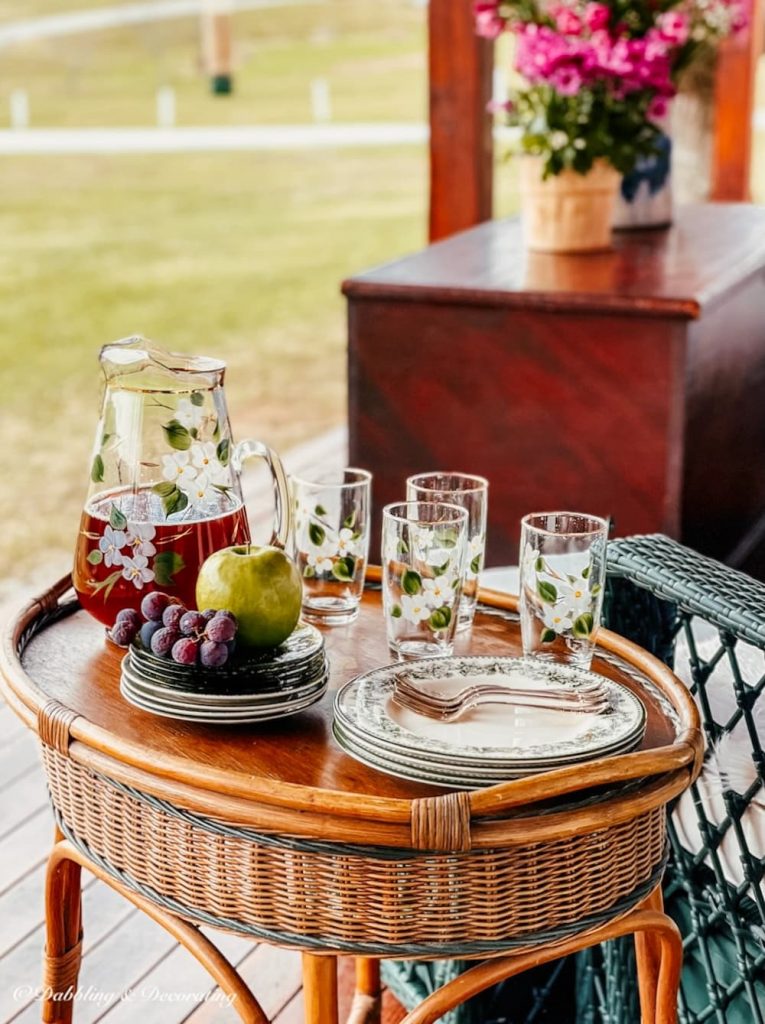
(249, 449)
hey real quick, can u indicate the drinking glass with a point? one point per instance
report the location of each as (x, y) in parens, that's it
(424, 546)
(472, 493)
(563, 569)
(330, 542)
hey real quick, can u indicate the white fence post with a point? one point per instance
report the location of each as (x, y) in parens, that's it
(166, 107)
(321, 101)
(19, 103)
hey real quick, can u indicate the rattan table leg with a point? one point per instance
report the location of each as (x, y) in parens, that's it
(648, 959)
(367, 1001)
(63, 941)
(320, 989)
(489, 973)
(209, 956)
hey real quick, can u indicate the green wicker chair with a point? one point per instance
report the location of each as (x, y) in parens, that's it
(707, 621)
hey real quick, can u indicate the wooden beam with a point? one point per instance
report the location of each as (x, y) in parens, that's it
(461, 151)
(734, 110)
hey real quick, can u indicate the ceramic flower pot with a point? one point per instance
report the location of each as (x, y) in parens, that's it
(567, 212)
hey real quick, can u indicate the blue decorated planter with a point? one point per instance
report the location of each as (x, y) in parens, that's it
(645, 195)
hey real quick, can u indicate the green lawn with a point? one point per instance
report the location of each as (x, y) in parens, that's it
(237, 255)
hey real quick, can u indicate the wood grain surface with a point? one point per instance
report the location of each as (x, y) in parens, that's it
(619, 384)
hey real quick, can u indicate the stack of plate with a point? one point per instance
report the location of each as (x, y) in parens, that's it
(253, 687)
(487, 744)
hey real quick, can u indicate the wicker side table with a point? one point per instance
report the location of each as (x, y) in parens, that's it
(273, 832)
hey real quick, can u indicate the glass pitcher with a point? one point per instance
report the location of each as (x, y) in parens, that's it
(165, 486)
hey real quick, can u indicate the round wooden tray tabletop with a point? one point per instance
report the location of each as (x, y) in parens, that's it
(295, 761)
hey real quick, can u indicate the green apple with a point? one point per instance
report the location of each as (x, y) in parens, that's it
(260, 585)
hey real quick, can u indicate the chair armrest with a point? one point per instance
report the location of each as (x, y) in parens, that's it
(728, 599)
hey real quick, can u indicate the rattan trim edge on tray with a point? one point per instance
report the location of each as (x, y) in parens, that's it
(340, 808)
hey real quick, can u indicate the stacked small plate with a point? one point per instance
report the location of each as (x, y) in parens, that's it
(489, 743)
(253, 687)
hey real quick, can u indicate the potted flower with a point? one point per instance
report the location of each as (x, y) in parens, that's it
(598, 78)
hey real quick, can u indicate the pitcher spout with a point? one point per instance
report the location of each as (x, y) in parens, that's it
(136, 363)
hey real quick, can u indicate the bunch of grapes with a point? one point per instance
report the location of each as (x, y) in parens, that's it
(171, 630)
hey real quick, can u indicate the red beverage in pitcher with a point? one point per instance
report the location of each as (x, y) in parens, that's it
(124, 551)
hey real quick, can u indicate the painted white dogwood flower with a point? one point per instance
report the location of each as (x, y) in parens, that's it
(200, 491)
(558, 617)
(415, 608)
(188, 414)
(178, 468)
(139, 539)
(136, 570)
(204, 457)
(111, 544)
(320, 563)
(576, 596)
(347, 544)
(437, 592)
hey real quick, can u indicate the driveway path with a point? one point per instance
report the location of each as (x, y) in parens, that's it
(75, 22)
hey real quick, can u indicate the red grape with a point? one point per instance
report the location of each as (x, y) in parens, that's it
(122, 633)
(173, 614)
(220, 629)
(153, 605)
(213, 655)
(185, 651)
(163, 640)
(192, 623)
(131, 616)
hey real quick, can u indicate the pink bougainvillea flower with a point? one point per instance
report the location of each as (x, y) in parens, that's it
(597, 16)
(566, 21)
(658, 108)
(488, 24)
(567, 81)
(673, 26)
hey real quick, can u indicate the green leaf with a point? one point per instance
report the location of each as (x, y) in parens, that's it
(197, 398)
(177, 436)
(97, 470)
(95, 557)
(340, 570)
(223, 451)
(547, 591)
(585, 573)
(216, 430)
(164, 489)
(402, 547)
(194, 433)
(440, 618)
(583, 625)
(316, 533)
(547, 636)
(350, 520)
(439, 570)
(166, 565)
(539, 564)
(411, 582)
(395, 612)
(309, 572)
(475, 565)
(596, 590)
(320, 510)
(116, 519)
(175, 502)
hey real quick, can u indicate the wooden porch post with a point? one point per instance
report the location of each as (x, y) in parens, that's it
(461, 151)
(734, 110)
